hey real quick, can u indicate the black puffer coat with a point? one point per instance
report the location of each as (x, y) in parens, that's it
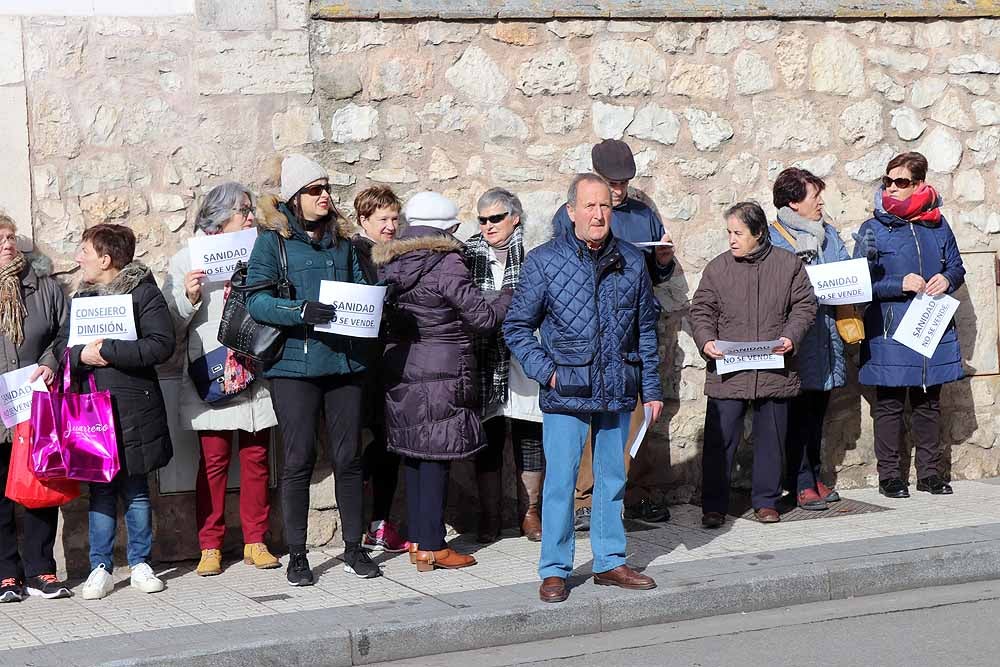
(429, 369)
(141, 418)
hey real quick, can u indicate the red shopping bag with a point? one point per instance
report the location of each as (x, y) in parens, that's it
(22, 485)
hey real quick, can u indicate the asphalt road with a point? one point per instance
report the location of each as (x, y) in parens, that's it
(952, 626)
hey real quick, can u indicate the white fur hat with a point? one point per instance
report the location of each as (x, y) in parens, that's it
(298, 171)
(429, 209)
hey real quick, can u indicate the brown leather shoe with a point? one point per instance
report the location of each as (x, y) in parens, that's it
(447, 559)
(414, 548)
(767, 515)
(624, 577)
(553, 589)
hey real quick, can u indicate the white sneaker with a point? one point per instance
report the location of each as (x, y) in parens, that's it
(98, 585)
(145, 580)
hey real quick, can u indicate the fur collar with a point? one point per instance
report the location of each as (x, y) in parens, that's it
(273, 219)
(383, 253)
(126, 281)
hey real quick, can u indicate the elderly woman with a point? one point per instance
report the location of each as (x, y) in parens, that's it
(910, 250)
(32, 310)
(377, 209)
(755, 292)
(804, 229)
(319, 377)
(509, 399)
(246, 416)
(432, 405)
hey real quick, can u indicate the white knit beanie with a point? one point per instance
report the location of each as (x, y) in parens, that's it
(429, 209)
(298, 171)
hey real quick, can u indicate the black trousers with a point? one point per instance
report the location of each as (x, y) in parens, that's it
(803, 449)
(526, 437)
(925, 407)
(426, 497)
(381, 467)
(723, 433)
(298, 404)
(38, 533)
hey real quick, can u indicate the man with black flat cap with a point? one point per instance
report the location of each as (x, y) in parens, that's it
(635, 222)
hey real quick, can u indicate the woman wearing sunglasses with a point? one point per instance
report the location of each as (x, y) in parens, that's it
(910, 249)
(196, 307)
(509, 399)
(319, 374)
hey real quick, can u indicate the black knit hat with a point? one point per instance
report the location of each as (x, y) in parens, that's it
(613, 160)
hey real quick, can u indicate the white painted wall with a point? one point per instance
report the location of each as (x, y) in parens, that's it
(96, 7)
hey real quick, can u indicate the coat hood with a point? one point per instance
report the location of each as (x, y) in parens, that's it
(405, 260)
(273, 219)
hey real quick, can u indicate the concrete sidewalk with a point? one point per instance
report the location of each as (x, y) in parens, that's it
(246, 616)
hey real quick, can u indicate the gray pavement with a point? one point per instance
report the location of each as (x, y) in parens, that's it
(247, 616)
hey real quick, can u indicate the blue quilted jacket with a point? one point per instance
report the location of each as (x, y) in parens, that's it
(597, 317)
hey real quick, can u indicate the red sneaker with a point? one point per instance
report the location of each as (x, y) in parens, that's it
(810, 500)
(826, 493)
(385, 538)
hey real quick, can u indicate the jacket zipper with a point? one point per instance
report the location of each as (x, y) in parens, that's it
(920, 264)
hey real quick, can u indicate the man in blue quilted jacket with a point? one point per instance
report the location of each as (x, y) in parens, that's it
(591, 299)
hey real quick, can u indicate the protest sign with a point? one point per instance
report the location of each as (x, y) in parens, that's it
(924, 322)
(747, 356)
(840, 283)
(218, 254)
(15, 395)
(96, 317)
(647, 419)
(359, 308)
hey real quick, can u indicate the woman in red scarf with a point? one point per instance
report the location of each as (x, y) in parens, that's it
(911, 250)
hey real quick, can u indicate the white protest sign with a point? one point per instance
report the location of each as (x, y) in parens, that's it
(359, 308)
(747, 356)
(96, 317)
(839, 283)
(641, 433)
(217, 254)
(15, 395)
(925, 322)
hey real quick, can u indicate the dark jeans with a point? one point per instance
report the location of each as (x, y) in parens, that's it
(298, 404)
(426, 497)
(925, 407)
(38, 533)
(526, 437)
(382, 468)
(806, 413)
(723, 432)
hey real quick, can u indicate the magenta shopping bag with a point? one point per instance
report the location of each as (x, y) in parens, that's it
(45, 456)
(84, 428)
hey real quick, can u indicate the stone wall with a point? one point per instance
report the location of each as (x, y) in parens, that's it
(132, 119)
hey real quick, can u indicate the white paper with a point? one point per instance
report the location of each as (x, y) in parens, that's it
(641, 433)
(839, 283)
(15, 395)
(217, 254)
(359, 308)
(924, 322)
(97, 317)
(653, 244)
(748, 356)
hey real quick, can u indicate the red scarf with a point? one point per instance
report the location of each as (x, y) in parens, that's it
(921, 206)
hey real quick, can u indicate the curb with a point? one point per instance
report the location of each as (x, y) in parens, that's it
(591, 610)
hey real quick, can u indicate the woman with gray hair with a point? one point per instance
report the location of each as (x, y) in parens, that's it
(245, 410)
(509, 399)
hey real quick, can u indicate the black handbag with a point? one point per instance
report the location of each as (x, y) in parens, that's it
(238, 331)
(207, 373)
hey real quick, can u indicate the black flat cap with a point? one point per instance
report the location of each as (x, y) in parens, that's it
(613, 160)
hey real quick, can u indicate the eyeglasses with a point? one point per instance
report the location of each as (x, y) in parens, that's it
(316, 190)
(493, 219)
(244, 211)
(901, 183)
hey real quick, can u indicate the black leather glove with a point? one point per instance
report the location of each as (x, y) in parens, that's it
(314, 312)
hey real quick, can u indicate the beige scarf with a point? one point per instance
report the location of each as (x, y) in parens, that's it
(12, 310)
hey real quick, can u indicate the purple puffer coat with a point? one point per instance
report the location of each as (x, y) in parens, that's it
(429, 369)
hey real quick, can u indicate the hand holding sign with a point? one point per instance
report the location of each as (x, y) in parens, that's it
(101, 317)
(937, 285)
(358, 308)
(749, 356)
(218, 254)
(841, 283)
(925, 322)
(192, 285)
(16, 388)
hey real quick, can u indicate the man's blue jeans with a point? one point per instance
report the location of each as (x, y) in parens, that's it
(563, 439)
(134, 492)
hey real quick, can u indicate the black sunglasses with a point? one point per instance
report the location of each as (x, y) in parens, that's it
(901, 183)
(316, 190)
(494, 219)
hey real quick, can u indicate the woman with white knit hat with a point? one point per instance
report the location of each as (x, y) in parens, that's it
(319, 374)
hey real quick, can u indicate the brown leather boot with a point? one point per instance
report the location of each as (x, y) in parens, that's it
(414, 548)
(447, 559)
(489, 507)
(530, 490)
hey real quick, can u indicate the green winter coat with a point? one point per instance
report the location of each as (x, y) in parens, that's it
(307, 352)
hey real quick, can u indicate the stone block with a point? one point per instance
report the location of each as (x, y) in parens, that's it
(551, 73)
(478, 76)
(619, 68)
(697, 80)
(236, 14)
(837, 67)
(227, 63)
(610, 120)
(295, 127)
(292, 14)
